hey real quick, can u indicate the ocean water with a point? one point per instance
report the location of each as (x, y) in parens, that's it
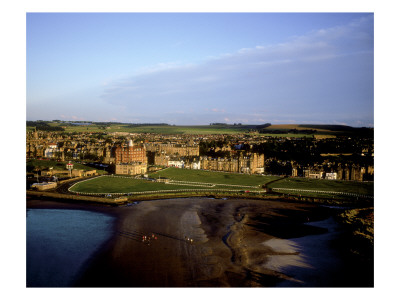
(59, 242)
(311, 261)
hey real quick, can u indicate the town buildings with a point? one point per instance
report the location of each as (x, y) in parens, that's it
(131, 168)
(130, 159)
(133, 154)
(340, 172)
(253, 164)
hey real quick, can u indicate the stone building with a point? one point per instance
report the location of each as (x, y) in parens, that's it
(257, 162)
(130, 159)
(130, 153)
(242, 164)
(66, 173)
(331, 175)
(313, 173)
(295, 171)
(43, 186)
(193, 163)
(176, 163)
(161, 159)
(181, 150)
(131, 168)
(219, 164)
(108, 157)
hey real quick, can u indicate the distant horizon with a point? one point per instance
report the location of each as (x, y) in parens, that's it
(209, 124)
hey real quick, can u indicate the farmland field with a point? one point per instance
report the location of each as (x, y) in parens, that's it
(167, 129)
(278, 130)
(294, 126)
(160, 129)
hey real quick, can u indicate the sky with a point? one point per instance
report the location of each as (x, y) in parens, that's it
(201, 68)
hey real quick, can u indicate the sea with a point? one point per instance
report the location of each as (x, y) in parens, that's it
(310, 261)
(60, 241)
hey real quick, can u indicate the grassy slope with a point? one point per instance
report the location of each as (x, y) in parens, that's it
(153, 129)
(204, 129)
(193, 130)
(365, 188)
(297, 127)
(213, 177)
(127, 185)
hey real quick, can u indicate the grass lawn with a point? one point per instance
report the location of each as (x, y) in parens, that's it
(364, 188)
(213, 177)
(115, 184)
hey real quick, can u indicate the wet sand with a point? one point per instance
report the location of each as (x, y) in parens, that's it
(233, 242)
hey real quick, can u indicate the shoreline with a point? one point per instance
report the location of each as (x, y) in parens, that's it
(124, 261)
(76, 198)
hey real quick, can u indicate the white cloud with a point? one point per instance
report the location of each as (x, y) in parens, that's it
(218, 110)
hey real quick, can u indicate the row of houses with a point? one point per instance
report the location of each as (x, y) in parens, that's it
(110, 153)
(341, 172)
(253, 164)
(66, 173)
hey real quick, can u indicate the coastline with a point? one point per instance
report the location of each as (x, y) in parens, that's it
(228, 247)
(77, 198)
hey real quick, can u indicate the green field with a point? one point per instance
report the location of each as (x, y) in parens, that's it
(160, 129)
(362, 188)
(178, 129)
(213, 177)
(194, 179)
(167, 129)
(211, 181)
(281, 130)
(115, 184)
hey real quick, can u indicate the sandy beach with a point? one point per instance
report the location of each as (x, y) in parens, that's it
(234, 241)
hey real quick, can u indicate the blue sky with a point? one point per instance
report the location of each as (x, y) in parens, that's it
(198, 68)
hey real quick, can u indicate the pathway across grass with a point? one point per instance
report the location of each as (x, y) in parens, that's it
(126, 185)
(199, 180)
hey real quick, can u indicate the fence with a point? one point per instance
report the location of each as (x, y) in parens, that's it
(166, 191)
(323, 192)
(211, 190)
